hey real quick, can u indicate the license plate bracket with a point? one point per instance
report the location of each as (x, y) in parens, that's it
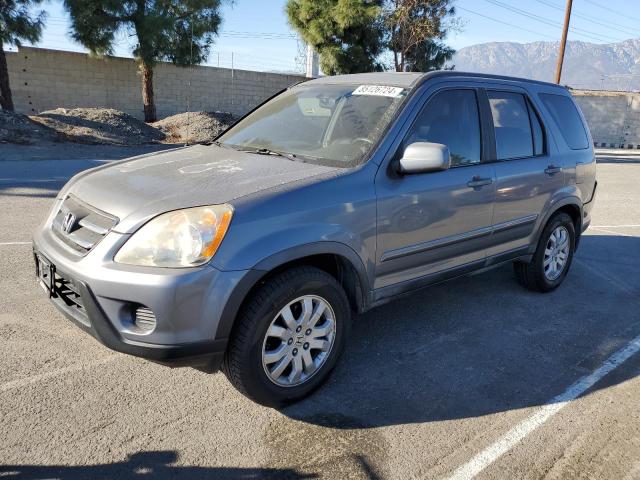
(46, 273)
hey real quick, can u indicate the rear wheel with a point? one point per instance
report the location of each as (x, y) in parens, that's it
(288, 336)
(552, 258)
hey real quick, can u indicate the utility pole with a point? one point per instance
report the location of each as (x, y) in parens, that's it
(563, 42)
(313, 69)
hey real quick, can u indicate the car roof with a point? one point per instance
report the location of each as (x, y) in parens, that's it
(395, 79)
(412, 79)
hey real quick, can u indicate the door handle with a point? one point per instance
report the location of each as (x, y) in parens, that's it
(477, 182)
(552, 170)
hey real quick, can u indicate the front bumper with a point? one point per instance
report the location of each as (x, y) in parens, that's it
(192, 306)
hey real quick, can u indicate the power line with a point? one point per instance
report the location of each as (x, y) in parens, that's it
(259, 34)
(553, 23)
(63, 22)
(611, 10)
(242, 61)
(59, 42)
(505, 23)
(588, 18)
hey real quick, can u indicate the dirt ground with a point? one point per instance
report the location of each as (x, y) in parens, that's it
(105, 126)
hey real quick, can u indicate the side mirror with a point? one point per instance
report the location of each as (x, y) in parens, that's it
(422, 157)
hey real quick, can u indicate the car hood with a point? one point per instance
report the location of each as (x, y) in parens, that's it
(138, 189)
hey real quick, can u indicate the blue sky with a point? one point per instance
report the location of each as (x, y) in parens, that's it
(257, 33)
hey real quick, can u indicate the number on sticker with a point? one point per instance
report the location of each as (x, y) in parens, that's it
(378, 90)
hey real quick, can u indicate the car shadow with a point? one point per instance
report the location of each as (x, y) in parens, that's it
(154, 464)
(482, 344)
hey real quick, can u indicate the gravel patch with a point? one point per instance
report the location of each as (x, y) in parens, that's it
(17, 128)
(99, 126)
(194, 127)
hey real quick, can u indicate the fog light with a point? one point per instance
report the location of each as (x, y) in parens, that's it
(144, 320)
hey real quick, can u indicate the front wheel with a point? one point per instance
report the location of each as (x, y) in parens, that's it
(553, 256)
(288, 337)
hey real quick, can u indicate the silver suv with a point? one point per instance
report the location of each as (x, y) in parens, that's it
(335, 196)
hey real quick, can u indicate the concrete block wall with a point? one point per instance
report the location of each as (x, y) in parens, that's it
(613, 117)
(43, 79)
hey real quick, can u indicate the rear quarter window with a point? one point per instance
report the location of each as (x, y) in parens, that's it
(567, 119)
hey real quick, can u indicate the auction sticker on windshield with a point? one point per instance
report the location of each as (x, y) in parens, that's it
(378, 90)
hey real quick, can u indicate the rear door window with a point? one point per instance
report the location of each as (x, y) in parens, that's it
(452, 119)
(513, 125)
(567, 119)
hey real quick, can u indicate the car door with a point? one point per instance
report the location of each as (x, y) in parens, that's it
(434, 224)
(526, 174)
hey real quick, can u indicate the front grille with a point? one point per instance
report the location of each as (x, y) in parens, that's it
(81, 226)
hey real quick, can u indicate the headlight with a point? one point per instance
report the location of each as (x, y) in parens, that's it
(183, 238)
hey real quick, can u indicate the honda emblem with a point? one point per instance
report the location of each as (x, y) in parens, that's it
(69, 222)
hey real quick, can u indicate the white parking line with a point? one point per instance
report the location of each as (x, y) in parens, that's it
(3, 244)
(605, 230)
(23, 382)
(615, 226)
(524, 428)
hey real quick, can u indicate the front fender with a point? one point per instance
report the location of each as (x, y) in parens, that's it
(340, 210)
(268, 264)
(317, 248)
(266, 252)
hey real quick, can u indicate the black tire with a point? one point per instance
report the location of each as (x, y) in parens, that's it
(532, 275)
(243, 360)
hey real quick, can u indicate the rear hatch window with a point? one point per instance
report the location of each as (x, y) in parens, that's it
(567, 119)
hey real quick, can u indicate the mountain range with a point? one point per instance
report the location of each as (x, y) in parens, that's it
(614, 66)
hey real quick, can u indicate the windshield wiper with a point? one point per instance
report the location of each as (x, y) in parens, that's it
(218, 143)
(266, 151)
(258, 151)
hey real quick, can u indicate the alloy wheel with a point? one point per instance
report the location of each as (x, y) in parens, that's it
(298, 341)
(556, 253)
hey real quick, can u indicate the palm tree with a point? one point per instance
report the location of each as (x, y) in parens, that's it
(17, 24)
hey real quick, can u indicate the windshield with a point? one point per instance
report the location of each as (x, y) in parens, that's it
(333, 125)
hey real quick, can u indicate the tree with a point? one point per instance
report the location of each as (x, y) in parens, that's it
(164, 30)
(351, 35)
(409, 24)
(428, 56)
(347, 34)
(17, 24)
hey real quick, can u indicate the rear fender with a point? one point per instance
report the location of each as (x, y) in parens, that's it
(573, 200)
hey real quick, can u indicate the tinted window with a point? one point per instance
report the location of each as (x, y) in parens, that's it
(512, 124)
(538, 131)
(568, 120)
(451, 118)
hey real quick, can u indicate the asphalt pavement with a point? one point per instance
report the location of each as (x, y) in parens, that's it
(472, 377)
